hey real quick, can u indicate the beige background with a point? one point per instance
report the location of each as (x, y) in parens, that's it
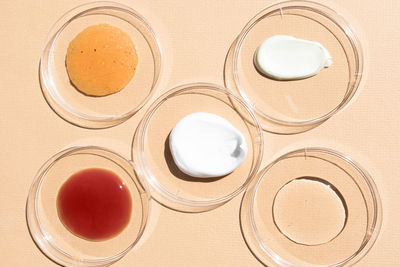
(195, 36)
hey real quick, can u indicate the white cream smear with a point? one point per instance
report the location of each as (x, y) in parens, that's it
(284, 57)
(206, 145)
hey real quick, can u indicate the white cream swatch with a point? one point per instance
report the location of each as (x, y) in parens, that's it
(206, 145)
(284, 57)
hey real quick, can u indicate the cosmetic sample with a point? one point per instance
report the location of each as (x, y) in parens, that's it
(94, 204)
(206, 145)
(101, 60)
(284, 57)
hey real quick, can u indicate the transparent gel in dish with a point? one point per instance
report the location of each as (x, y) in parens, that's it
(311, 207)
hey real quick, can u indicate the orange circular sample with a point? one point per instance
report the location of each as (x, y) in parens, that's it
(101, 60)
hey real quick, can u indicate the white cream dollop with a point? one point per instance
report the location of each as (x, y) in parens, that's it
(206, 145)
(284, 57)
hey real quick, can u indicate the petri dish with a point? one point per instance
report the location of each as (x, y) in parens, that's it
(47, 230)
(155, 165)
(106, 111)
(311, 207)
(288, 107)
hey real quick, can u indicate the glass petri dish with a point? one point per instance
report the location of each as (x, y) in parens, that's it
(47, 230)
(289, 107)
(155, 165)
(99, 112)
(311, 207)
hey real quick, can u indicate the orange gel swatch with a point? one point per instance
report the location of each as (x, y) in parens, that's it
(101, 60)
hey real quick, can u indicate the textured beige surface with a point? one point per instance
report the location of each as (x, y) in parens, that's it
(195, 37)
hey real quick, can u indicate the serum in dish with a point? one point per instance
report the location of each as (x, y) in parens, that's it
(94, 204)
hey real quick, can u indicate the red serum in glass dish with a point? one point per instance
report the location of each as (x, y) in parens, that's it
(94, 204)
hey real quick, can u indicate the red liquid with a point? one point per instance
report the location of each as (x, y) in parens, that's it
(94, 204)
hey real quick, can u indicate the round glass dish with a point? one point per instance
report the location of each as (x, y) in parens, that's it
(47, 230)
(155, 165)
(311, 207)
(99, 112)
(289, 107)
